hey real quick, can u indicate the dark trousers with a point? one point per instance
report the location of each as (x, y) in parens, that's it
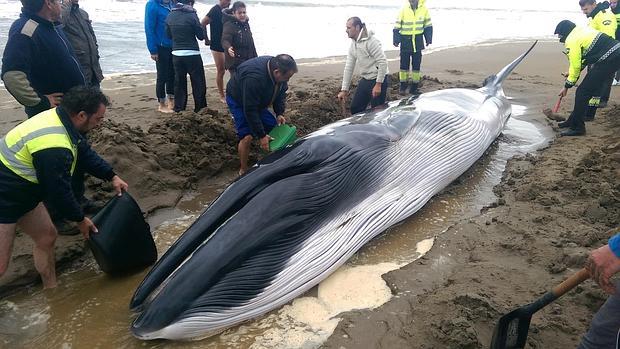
(413, 60)
(591, 86)
(607, 88)
(165, 73)
(191, 65)
(363, 95)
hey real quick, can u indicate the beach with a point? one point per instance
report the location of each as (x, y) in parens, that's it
(548, 209)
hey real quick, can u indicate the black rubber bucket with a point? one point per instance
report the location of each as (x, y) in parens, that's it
(124, 242)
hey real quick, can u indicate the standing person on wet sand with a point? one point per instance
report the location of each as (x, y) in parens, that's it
(37, 159)
(183, 26)
(602, 52)
(237, 37)
(79, 30)
(366, 50)
(38, 64)
(160, 48)
(604, 331)
(413, 27)
(214, 20)
(258, 83)
(613, 4)
(601, 19)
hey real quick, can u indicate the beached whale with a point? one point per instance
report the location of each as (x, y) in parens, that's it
(301, 212)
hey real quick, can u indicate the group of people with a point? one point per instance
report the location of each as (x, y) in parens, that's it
(172, 33)
(596, 48)
(51, 66)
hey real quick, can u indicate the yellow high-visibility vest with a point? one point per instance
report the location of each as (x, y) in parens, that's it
(43, 131)
(413, 22)
(605, 22)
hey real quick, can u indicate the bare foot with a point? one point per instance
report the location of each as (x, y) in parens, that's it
(164, 109)
(242, 172)
(549, 114)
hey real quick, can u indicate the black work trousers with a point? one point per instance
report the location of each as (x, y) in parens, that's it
(591, 86)
(165, 73)
(607, 88)
(192, 65)
(363, 95)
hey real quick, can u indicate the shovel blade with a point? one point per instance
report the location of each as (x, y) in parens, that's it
(511, 330)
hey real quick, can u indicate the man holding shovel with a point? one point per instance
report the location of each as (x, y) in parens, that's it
(602, 52)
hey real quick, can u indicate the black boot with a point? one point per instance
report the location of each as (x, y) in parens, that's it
(413, 89)
(564, 124)
(402, 91)
(571, 132)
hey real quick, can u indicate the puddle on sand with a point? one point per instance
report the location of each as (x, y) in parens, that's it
(90, 309)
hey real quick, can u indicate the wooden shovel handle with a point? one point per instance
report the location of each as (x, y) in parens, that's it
(571, 282)
(556, 107)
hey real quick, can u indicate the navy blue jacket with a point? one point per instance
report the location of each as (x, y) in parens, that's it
(183, 26)
(253, 87)
(38, 60)
(155, 15)
(53, 167)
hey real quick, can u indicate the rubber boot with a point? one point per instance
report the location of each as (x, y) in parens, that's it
(402, 91)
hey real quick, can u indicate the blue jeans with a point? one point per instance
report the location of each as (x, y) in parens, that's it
(605, 327)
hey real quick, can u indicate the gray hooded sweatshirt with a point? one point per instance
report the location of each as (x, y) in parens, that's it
(366, 51)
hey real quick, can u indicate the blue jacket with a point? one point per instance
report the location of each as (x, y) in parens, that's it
(155, 16)
(38, 60)
(252, 86)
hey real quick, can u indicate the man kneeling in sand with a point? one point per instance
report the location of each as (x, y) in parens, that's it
(37, 159)
(257, 84)
(365, 50)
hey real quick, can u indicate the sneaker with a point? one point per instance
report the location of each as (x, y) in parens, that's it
(572, 132)
(615, 83)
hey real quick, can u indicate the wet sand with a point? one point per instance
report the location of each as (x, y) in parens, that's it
(551, 207)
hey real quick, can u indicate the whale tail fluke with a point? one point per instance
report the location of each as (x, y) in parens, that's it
(494, 82)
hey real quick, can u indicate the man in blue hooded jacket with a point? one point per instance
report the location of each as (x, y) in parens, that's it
(38, 64)
(160, 48)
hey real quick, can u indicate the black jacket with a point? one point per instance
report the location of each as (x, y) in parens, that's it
(183, 26)
(53, 168)
(38, 60)
(79, 30)
(238, 36)
(253, 87)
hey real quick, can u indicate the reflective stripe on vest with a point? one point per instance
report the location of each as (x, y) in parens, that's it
(43, 131)
(411, 22)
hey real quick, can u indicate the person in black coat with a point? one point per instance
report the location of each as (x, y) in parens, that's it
(237, 38)
(183, 26)
(259, 83)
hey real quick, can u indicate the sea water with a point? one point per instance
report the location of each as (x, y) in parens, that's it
(316, 28)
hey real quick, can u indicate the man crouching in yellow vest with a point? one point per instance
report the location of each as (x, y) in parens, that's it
(37, 159)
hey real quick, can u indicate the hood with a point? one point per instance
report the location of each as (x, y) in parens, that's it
(227, 16)
(601, 6)
(564, 28)
(365, 34)
(183, 7)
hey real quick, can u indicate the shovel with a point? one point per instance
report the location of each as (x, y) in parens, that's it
(556, 107)
(511, 330)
